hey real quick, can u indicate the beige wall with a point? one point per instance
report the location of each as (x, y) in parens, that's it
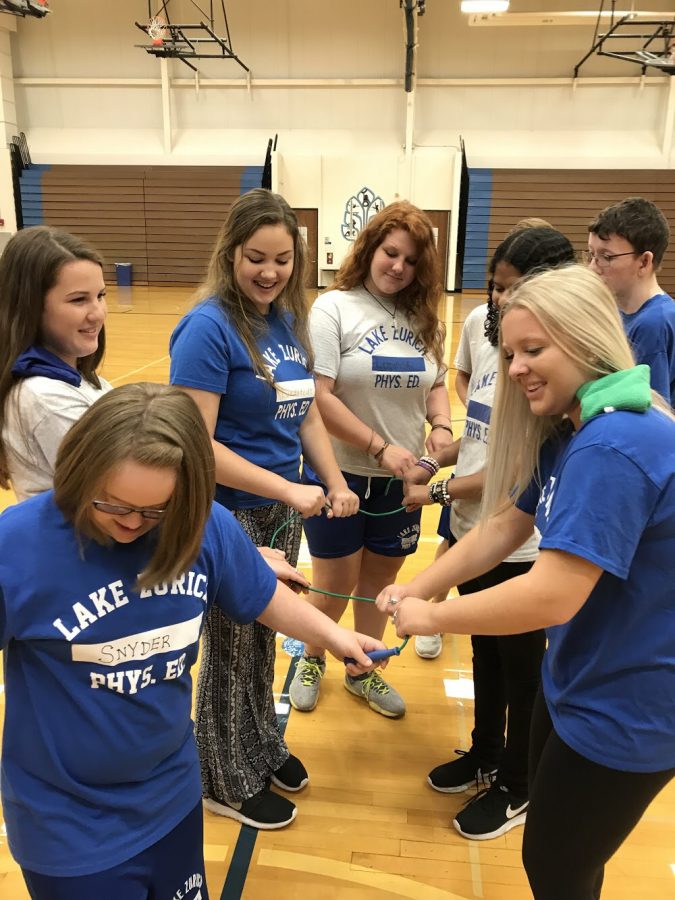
(85, 94)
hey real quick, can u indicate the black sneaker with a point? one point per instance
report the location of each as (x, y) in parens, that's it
(460, 774)
(292, 776)
(491, 813)
(265, 810)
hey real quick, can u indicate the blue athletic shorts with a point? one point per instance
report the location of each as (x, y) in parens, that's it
(443, 529)
(173, 867)
(395, 535)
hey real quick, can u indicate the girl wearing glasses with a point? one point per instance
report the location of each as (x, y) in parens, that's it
(52, 314)
(105, 583)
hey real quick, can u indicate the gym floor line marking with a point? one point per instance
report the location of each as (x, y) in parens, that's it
(354, 874)
(243, 849)
(149, 365)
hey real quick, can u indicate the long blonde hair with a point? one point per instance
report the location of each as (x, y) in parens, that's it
(154, 425)
(250, 212)
(579, 314)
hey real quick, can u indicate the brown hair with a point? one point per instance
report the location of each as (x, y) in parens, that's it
(638, 221)
(154, 425)
(250, 212)
(420, 299)
(29, 268)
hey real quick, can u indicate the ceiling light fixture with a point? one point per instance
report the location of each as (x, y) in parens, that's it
(484, 6)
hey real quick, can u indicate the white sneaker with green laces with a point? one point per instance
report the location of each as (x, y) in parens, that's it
(379, 695)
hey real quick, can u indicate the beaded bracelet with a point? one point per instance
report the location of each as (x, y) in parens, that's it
(439, 493)
(428, 463)
(444, 427)
(425, 465)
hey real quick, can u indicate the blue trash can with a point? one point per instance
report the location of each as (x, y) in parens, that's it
(123, 274)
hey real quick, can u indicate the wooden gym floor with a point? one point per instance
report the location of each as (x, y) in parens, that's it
(368, 825)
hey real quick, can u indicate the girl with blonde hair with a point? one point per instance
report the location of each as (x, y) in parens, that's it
(583, 449)
(105, 583)
(506, 668)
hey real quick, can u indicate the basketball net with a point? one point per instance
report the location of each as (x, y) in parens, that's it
(157, 31)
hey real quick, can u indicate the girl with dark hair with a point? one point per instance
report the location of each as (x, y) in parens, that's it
(505, 668)
(243, 354)
(104, 586)
(52, 310)
(380, 374)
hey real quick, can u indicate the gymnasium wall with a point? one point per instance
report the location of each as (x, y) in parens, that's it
(163, 220)
(328, 79)
(568, 199)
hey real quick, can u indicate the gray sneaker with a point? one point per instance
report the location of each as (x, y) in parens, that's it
(379, 695)
(304, 690)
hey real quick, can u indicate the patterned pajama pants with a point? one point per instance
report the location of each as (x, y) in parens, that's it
(236, 728)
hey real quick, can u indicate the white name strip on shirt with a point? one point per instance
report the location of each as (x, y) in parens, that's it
(287, 390)
(140, 646)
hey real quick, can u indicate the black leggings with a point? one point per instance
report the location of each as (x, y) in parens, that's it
(579, 815)
(506, 675)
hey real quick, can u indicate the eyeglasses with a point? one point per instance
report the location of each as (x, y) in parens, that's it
(603, 260)
(112, 509)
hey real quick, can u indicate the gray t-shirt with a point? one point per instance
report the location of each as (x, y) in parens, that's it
(380, 369)
(471, 338)
(38, 414)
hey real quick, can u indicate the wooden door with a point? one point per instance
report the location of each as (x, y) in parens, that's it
(440, 219)
(308, 220)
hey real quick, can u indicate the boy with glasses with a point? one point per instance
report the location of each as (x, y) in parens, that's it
(626, 244)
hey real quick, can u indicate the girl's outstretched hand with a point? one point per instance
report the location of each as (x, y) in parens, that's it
(284, 571)
(342, 502)
(414, 616)
(307, 499)
(355, 646)
(392, 591)
(415, 495)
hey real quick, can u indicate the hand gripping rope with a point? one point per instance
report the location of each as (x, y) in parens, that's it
(374, 655)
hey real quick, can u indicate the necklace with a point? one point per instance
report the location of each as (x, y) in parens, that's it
(380, 303)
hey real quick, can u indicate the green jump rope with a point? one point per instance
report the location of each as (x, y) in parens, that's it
(374, 655)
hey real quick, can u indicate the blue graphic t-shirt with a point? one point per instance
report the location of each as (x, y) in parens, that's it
(651, 331)
(99, 759)
(256, 421)
(608, 496)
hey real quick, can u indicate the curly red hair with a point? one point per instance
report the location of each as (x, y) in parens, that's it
(420, 299)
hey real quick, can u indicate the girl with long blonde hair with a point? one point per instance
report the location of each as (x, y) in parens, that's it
(583, 449)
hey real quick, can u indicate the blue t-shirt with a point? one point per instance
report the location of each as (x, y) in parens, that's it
(99, 759)
(651, 331)
(608, 496)
(259, 422)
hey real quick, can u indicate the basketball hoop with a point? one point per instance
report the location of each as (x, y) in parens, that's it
(157, 31)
